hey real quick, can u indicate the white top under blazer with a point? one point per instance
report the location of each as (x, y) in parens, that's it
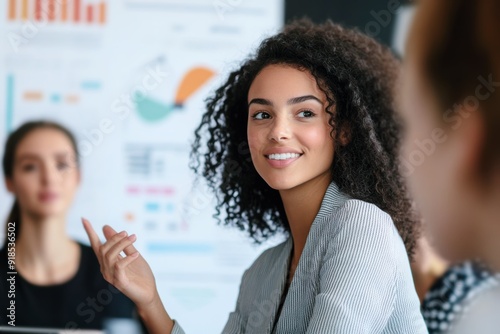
(353, 277)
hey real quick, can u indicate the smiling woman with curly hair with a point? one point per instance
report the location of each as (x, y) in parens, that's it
(357, 76)
(302, 139)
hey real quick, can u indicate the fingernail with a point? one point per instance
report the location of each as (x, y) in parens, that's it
(132, 237)
(122, 233)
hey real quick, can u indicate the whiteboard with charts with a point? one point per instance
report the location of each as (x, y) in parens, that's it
(129, 79)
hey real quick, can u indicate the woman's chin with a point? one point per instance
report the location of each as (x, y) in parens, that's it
(47, 211)
(280, 184)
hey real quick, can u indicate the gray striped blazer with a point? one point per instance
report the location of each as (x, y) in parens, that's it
(353, 277)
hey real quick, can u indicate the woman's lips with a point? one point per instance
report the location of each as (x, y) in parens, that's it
(47, 196)
(280, 161)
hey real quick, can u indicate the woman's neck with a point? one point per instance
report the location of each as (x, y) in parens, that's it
(302, 204)
(44, 253)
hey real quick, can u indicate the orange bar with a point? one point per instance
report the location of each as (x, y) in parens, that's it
(102, 12)
(24, 10)
(33, 96)
(64, 10)
(12, 9)
(72, 99)
(52, 10)
(76, 10)
(38, 10)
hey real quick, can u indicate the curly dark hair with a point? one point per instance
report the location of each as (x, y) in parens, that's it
(358, 76)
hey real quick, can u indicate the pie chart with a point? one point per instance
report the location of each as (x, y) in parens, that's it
(152, 110)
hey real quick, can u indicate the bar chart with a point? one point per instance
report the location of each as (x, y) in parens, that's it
(60, 11)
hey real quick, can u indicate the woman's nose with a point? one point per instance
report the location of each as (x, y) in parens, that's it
(280, 130)
(50, 174)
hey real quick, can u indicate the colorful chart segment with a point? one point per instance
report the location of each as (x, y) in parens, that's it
(153, 110)
(191, 82)
(57, 11)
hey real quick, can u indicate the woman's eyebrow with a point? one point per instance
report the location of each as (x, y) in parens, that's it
(57, 155)
(26, 156)
(61, 155)
(293, 100)
(263, 102)
(299, 99)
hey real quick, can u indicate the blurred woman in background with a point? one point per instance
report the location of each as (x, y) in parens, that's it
(451, 103)
(58, 282)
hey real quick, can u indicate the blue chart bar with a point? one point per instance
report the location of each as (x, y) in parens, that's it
(152, 206)
(180, 248)
(9, 103)
(90, 85)
(56, 98)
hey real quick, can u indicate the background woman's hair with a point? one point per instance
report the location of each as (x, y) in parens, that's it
(456, 47)
(358, 76)
(9, 156)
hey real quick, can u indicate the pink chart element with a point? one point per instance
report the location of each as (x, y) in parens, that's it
(136, 190)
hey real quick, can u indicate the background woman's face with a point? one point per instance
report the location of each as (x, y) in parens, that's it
(288, 130)
(432, 156)
(45, 175)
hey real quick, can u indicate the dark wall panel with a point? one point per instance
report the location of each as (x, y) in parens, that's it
(374, 17)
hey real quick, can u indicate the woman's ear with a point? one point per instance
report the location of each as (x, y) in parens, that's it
(9, 184)
(345, 134)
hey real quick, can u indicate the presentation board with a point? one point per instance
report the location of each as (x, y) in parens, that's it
(129, 79)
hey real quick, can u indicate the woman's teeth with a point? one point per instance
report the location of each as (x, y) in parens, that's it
(283, 156)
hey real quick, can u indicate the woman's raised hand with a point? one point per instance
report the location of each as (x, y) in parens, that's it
(130, 274)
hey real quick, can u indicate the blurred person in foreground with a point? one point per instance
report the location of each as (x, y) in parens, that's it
(58, 282)
(451, 103)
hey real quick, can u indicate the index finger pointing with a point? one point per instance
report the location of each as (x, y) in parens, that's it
(95, 242)
(109, 232)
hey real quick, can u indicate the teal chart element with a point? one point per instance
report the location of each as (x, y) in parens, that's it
(152, 110)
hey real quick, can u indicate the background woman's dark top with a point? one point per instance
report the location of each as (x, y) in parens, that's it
(84, 301)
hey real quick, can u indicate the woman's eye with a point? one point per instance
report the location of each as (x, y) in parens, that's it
(62, 165)
(261, 115)
(306, 114)
(28, 167)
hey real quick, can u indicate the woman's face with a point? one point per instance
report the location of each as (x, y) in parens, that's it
(45, 175)
(288, 131)
(432, 159)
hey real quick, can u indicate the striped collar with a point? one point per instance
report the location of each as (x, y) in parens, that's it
(333, 199)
